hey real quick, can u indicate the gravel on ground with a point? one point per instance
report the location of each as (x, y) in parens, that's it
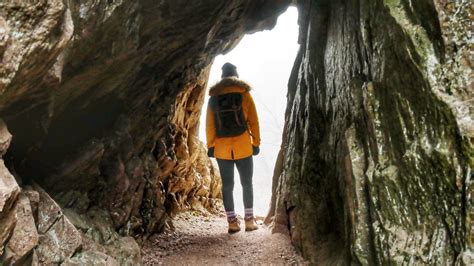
(202, 239)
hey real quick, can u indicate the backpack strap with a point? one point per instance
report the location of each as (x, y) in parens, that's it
(215, 108)
(236, 110)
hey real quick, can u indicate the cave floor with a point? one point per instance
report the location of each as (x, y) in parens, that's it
(201, 239)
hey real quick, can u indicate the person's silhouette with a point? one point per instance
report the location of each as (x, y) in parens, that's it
(233, 136)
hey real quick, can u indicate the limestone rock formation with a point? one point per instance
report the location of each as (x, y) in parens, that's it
(91, 258)
(25, 235)
(103, 98)
(378, 137)
(59, 239)
(9, 192)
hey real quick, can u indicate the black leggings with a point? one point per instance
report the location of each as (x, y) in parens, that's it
(245, 168)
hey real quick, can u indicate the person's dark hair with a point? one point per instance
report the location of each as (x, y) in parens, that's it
(229, 70)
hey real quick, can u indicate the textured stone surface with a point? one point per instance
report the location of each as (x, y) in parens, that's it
(48, 211)
(111, 112)
(103, 99)
(58, 238)
(5, 138)
(376, 168)
(45, 233)
(34, 198)
(452, 78)
(25, 235)
(9, 191)
(99, 237)
(125, 250)
(91, 258)
(33, 34)
(193, 180)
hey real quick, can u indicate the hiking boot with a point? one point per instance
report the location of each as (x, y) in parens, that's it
(234, 226)
(250, 224)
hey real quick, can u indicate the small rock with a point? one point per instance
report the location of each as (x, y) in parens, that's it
(59, 239)
(90, 258)
(5, 138)
(25, 236)
(9, 192)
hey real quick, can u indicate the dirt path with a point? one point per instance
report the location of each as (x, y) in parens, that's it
(199, 240)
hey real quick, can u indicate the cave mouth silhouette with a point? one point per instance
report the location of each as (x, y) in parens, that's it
(264, 60)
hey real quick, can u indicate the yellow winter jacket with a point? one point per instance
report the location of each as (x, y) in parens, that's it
(238, 147)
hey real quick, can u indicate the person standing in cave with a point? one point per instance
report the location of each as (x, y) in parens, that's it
(233, 136)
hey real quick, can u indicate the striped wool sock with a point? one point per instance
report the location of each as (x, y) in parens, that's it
(248, 213)
(230, 216)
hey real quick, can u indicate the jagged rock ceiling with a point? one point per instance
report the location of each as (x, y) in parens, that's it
(103, 101)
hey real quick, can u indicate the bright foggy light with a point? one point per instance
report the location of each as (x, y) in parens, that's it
(264, 60)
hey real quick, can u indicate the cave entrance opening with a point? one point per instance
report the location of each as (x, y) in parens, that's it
(264, 60)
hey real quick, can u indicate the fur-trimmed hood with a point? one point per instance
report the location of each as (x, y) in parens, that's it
(228, 85)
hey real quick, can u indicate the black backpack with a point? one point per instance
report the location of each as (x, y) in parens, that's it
(228, 114)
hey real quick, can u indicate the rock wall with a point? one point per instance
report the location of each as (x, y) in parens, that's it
(377, 149)
(103, 99)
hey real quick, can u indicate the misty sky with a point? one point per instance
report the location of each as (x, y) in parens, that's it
(264, 60)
